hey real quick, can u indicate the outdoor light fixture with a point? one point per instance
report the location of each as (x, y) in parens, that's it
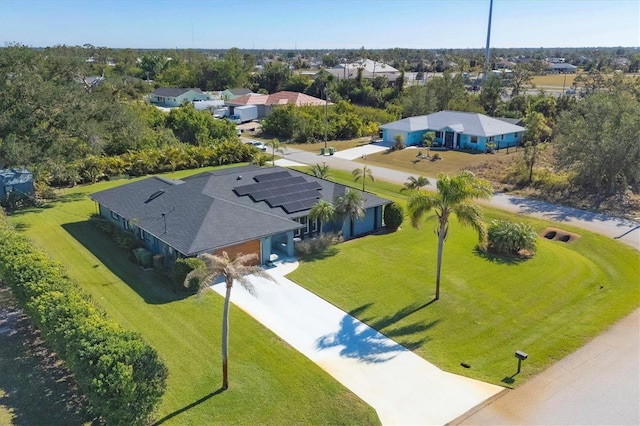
(521, 356)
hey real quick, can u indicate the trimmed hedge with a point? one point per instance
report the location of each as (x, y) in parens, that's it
(121, 376)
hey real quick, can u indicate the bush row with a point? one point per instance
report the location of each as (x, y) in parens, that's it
(93, 168)
(121, 376)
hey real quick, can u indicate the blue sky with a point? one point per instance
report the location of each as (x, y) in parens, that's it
(313, 24)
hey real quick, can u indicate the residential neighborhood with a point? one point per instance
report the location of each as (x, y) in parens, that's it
(360, 212)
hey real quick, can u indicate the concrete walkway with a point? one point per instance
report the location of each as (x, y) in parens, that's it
(403, 388)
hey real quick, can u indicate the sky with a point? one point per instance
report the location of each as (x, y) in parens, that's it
(320, 24)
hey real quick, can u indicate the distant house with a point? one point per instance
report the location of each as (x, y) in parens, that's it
(265, 103)
(455, 130)
(230, 94)
(244, 209)
(18, 182)
(174, 97)
(562, 68)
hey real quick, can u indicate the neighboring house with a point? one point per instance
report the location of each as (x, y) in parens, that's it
(174, 97)
(244, 209)
(562, 68)
(370, 70)
(455, 130)
(266, 102)
(16, 181)
(230, 94)
(90, 82)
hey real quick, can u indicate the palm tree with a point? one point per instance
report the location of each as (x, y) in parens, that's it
(414, 183)
(236, 269)
(454, 194)
(276, 147)
(321, 171)
(363, 174)
(323, 211)
(350, 205)
(428, 139)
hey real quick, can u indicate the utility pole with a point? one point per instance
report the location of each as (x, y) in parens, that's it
(326, 117)
(486, 51)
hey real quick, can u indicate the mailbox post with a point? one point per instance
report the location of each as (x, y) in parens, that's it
(521, 356)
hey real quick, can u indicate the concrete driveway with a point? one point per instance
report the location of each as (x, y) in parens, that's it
(403, 388)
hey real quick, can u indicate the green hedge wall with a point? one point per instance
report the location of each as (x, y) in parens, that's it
(122, 377)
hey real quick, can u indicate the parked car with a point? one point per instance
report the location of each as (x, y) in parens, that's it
(258, 144)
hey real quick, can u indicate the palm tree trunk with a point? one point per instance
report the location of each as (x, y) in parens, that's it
(441, 235)
(225, 337)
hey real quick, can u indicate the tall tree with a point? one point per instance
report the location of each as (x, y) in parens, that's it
(236, 269)
(536, 134)
(364, 173)
(454, 196)
(276, 148)
(521, 78)
(490, 93)
(350, 205)
(598, 142)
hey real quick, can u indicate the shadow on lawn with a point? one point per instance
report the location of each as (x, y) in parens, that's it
(35, 386)
(363, 342)
(188, 407)
(493, 258)
(153, 287)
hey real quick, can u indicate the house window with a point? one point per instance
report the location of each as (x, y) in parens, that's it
(438, 134)
(8, 189)
(127, 225)
(501, 137)
(515, 135)
(474, 139)
(115, 216)
(490, 139)
(314, 226)
(143, 235)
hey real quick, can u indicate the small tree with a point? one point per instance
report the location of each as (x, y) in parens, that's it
(414, 183)
(364, 173)
(398, 143)
(350, 205)
(323, 211)
(321, 171)
(427, 140)
(276, 147)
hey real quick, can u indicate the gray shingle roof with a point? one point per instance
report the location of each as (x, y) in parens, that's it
(173, 91)
(203, 213)
(469, 123)
(240, 91)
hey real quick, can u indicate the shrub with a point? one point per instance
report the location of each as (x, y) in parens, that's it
(181, 269)
(121, 376)
(511, 239)
(313, 246)
(393, 215)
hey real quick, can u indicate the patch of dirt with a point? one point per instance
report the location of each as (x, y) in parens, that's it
(557, 234)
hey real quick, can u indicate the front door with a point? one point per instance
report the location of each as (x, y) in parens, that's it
(448, 139)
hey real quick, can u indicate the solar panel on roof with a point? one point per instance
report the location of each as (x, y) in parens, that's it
(271, 176)
(292, 207)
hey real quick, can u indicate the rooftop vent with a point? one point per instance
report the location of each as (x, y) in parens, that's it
(154, 196)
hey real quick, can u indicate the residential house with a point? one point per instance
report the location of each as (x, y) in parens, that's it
(174, 97)
(265, 103)
(370, 69)
(562, 68)
(455, 130)
(244, 209)
(18, 182)
(229, 94)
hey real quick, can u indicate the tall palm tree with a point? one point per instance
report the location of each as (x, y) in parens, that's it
(414, 183)
(364, 173)
(323, 211)
(236, 269)
(350, 205)
(276, 147)
(321, 171)
(453, 196)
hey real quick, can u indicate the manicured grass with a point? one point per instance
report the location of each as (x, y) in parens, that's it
(547, 306)
(407, 160)
(338, 145)
(271, 383)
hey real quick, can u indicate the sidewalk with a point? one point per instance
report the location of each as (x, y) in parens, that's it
(403, 388)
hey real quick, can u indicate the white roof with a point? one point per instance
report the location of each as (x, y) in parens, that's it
(368, 65)
(469, 123)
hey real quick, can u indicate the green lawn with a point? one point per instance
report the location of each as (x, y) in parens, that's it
(547, 306)
(271, 383)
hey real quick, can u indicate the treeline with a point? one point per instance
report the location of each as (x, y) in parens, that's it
(121, 375)
(311, 123)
